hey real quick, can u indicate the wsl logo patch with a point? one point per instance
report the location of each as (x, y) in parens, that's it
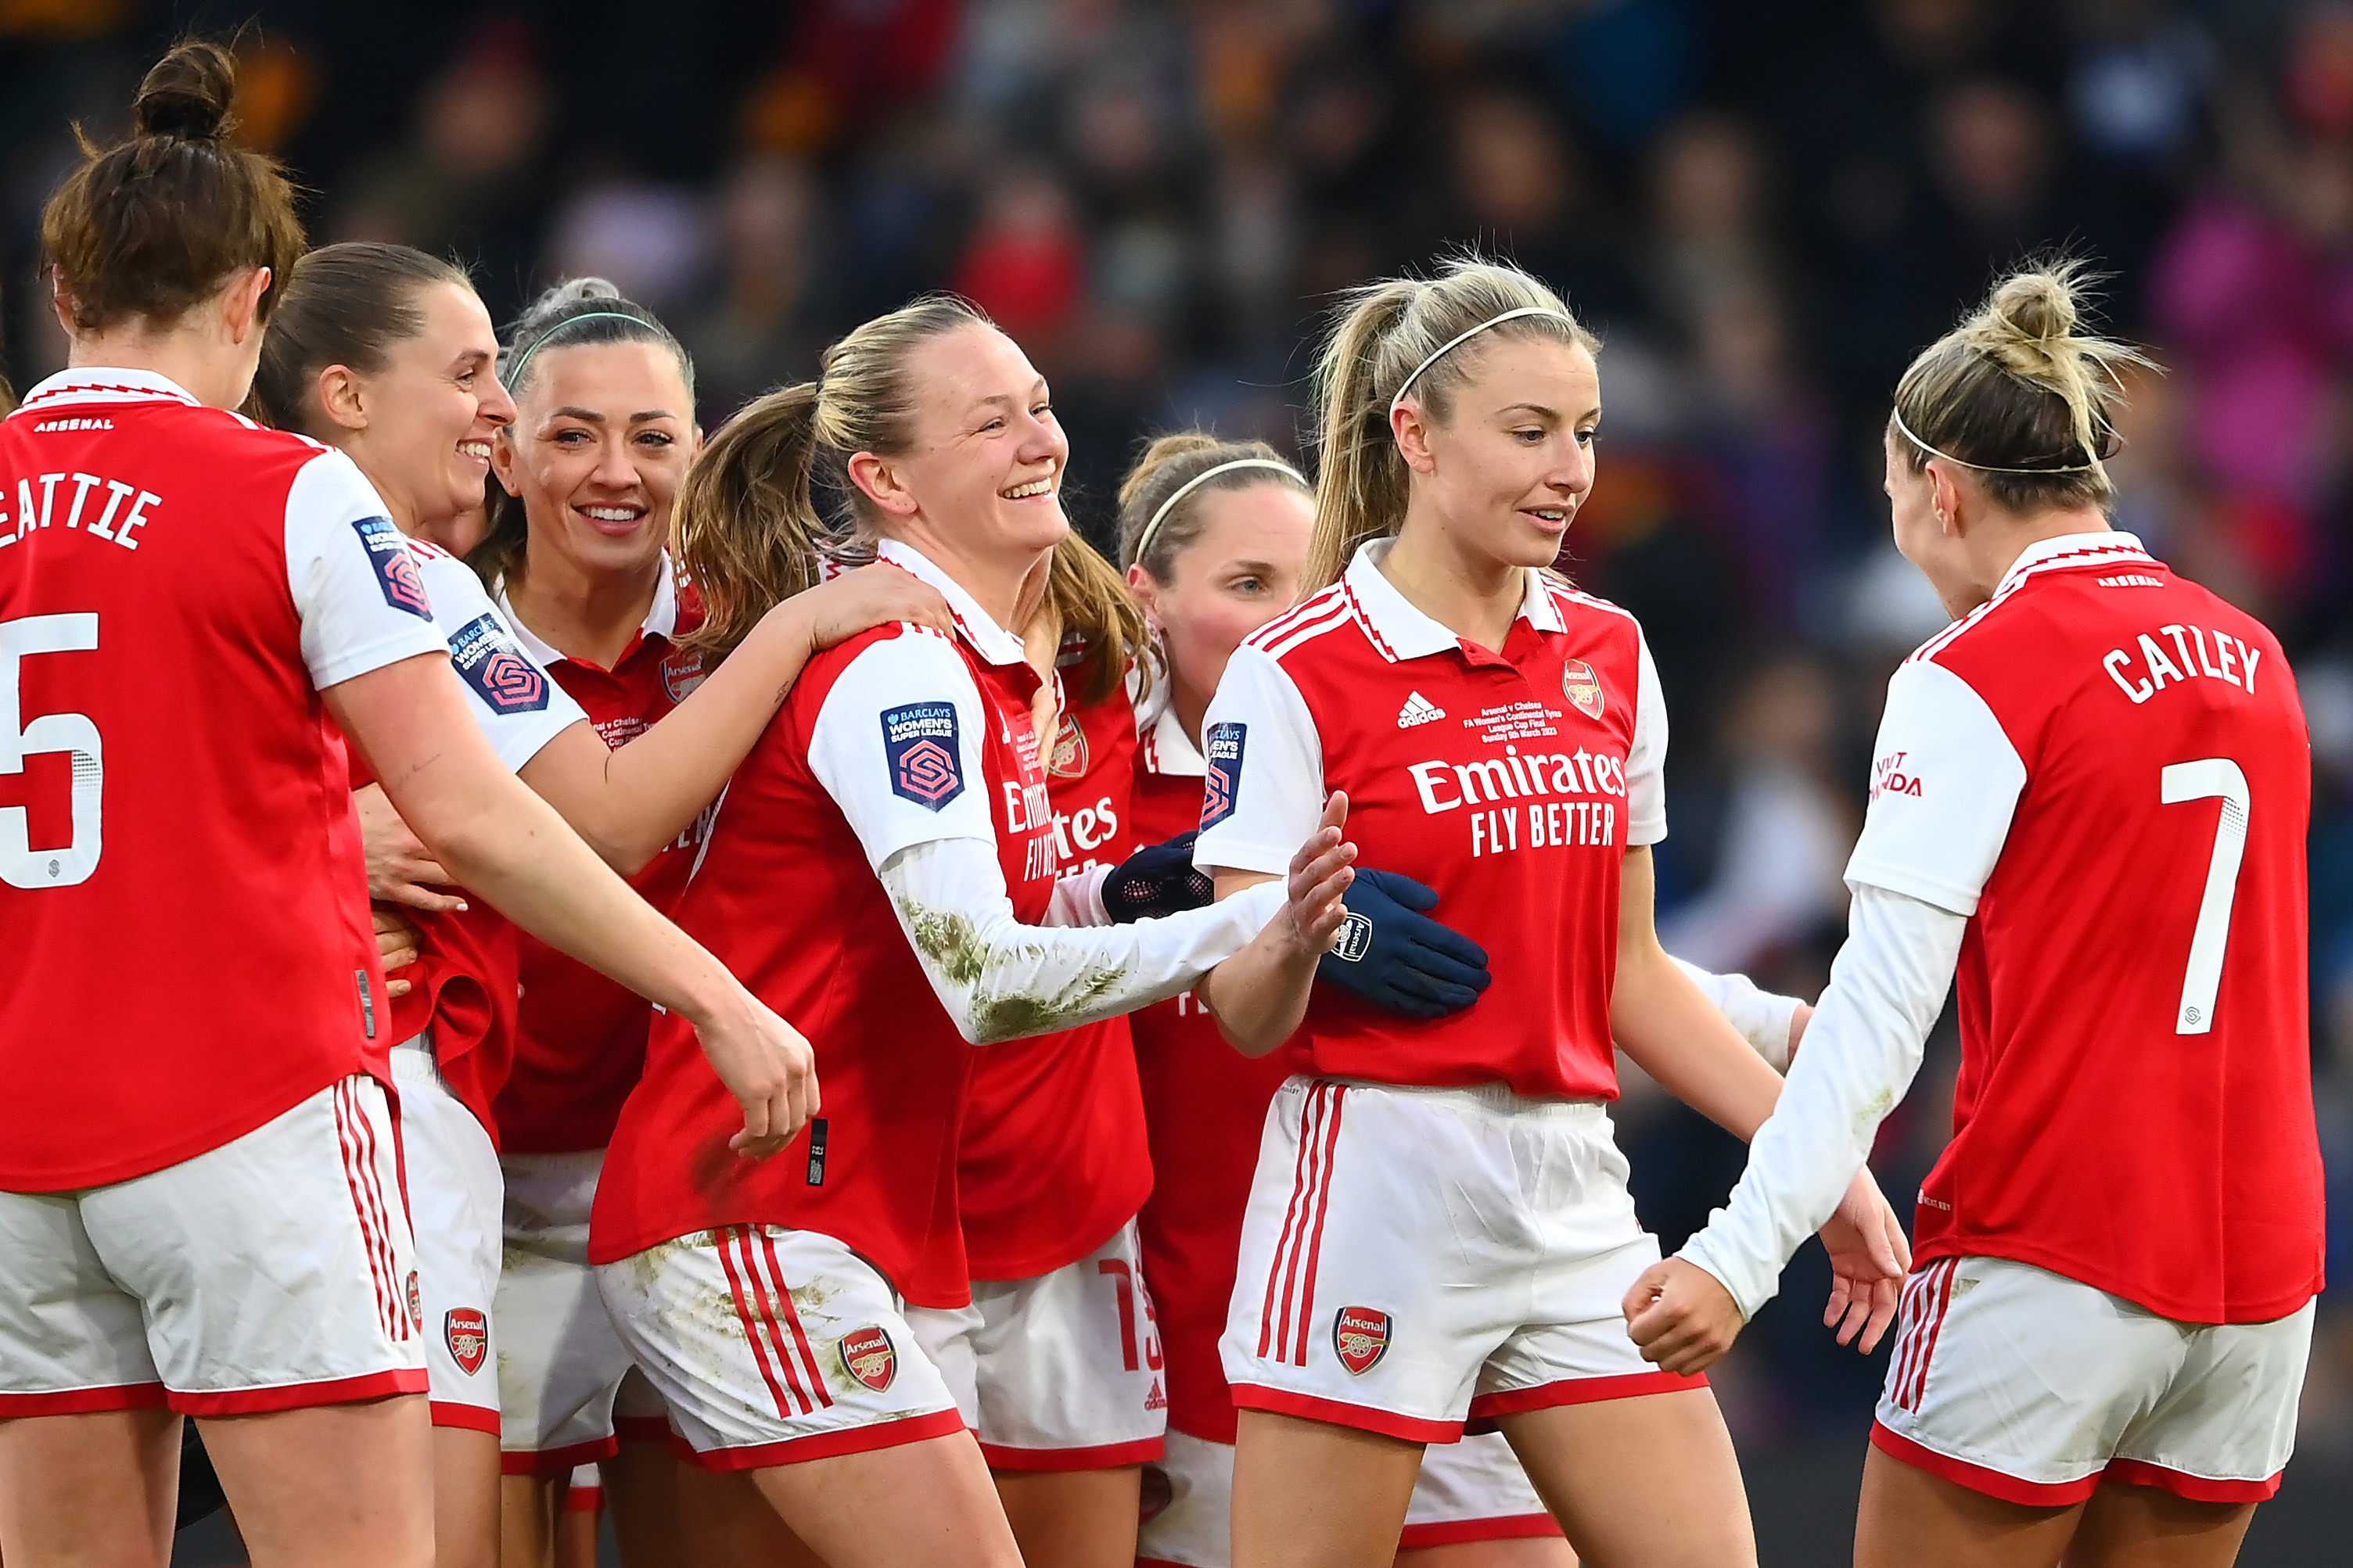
(468, 1334)
(869, 1356)
(1360, 1337)
(920, 748)
(497, 671)
(1225, 775)
(396, 568)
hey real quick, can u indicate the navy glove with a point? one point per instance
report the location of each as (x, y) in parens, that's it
(1157, 880)
(1399, 959)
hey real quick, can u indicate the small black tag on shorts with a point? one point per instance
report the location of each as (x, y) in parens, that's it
(817, 1152)
(367, 1003)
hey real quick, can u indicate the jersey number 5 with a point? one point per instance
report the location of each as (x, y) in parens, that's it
(22, 866)
(2203, 780)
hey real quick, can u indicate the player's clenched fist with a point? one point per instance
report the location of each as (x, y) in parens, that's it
(770, 1070)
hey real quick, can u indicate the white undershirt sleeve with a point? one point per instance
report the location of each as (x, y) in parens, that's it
(1862, 1049)
(1762, 1018)
(1001, 980)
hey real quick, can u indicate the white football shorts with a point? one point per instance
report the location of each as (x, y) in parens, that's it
(454, 1198)
(1413, 1259)
(560, 1364)
(2033, 1387)
(1058, 1373)
(272, 1273)
(1470, 1490)
(772, 1346)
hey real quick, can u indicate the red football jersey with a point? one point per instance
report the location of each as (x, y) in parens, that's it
(580, 1041)
(1054, 1160)
(1511, 784)
(176, 586)
(463, 984)
(896, 738)
(2106, 768)
(1204, 1109)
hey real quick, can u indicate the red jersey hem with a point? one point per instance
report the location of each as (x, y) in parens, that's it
(1033, 1266)
(83, 1401)
(150, 1160)
(831, 1445)
(302, 1395)
(464, 1418)
(1362, 1417)
(2182, 1484)
(2268, 1310)
(1486, 1407)
(1455, 1531)
(1993, 1483)
(556, 1461)
(1103, 1457)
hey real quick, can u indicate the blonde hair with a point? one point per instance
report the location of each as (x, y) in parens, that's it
(1090, 601)
(2018, 394)
(748, 531)
(1386, 334)
(1179, 469)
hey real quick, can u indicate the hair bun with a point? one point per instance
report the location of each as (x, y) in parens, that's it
(187, 93)
(2040, 305)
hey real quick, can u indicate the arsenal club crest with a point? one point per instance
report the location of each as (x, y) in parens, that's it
(1360, 1337)
(1069, 759)
(468, 1334)
(1581, 687)
(682, 673)
(869, 1356)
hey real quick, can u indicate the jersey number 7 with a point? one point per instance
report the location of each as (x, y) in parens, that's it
(22, 866)
(2203, 780)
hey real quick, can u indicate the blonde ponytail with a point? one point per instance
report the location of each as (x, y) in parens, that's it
(2018, 394)
(1407, 337)
(1090, 601)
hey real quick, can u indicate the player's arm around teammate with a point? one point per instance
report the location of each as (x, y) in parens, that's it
(1513, 762)
(282, 578)
(2089, 802)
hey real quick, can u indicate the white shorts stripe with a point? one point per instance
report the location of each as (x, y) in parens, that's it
(1291, 1281)
(347, 1137)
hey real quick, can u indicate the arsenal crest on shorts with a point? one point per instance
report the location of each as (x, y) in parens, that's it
(868, 1356)
(468, 1334)
(1581, 687)
(1360, 1337)
(416, 1302)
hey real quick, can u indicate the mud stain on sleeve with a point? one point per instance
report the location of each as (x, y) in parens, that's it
(955, 947)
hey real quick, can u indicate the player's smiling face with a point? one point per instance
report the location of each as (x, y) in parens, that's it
(1504, 473)
(434, 412)
(1240, 572)
(600, 444)
(982, 474)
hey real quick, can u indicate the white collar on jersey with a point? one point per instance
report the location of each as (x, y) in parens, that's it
(988, 639)
(662, 619)
(1165, 747)
(1400, 631)
(105, 383)
(2086, 549)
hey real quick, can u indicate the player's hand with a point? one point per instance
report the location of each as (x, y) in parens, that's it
(1320, 873)
(770, 1070)
(1681, 1316)
(868, 597)
(401, 870)
(1870, 1256)
(398, 945)
(1156, 882)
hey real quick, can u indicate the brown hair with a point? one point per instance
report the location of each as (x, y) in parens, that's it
(2016, 394)
(1168, 466)
(1384, 334)
(151, 228)
(575, 314)
(345, 304)
(747, 529)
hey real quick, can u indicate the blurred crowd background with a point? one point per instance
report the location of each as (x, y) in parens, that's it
(1764, 208)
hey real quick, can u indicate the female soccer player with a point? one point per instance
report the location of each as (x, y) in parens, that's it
(1216, 536)
(2089, 803)
(1500, 739)
(209, 1221)
(388, 353)
(886, 856)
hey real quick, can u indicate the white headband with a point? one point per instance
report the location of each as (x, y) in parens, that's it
(1160, 513)
(1451, 344)
(1983, 467)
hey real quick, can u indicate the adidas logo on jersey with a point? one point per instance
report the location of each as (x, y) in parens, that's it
(1417, 709)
